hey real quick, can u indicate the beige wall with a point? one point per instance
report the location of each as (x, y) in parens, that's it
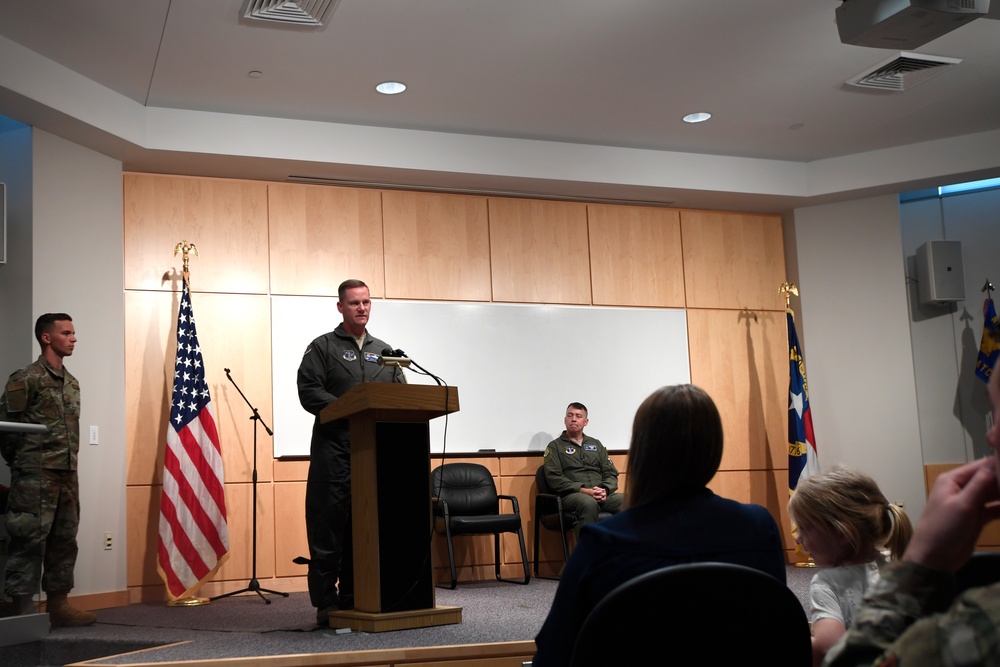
(256, 239)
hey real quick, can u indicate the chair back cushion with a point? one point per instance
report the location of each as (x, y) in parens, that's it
(686, 610)
(540, 481)
(468, 488)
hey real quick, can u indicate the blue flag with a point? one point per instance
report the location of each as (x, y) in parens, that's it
(989, 349)
(802, 459)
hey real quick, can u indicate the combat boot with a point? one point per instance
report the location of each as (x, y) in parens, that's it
(64, 615)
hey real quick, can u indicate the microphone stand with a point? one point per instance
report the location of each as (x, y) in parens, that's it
(254, 585)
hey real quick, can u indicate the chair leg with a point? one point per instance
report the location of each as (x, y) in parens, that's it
(562, 532)
(451, 558)
(496, 555)
(524, 555)
(537, 527)
(524, 558)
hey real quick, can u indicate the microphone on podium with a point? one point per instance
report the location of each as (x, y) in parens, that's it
(392, 357)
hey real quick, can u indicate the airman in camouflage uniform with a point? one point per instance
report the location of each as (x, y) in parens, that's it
(43, 510)
(901, 622)
(913, 617)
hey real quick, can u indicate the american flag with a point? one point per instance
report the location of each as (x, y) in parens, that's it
(194, 535)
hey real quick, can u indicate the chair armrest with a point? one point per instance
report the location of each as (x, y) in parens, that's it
(548, 503)
(439, 507)
(513, 501)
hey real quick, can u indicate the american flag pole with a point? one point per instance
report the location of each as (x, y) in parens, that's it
(193, 530)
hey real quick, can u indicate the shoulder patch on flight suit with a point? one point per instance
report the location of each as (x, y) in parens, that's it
(17, 396)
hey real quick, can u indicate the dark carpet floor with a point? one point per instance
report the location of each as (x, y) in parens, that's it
(246, 626)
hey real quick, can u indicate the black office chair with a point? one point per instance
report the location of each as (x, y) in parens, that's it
(687, 610)
(550, 514)
(466, 503)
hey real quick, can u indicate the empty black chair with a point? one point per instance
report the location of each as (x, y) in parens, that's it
(466, 503)
(549, 513)
(681, 611)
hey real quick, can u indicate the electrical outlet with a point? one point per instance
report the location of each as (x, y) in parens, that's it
(107, 541)
(93, 435)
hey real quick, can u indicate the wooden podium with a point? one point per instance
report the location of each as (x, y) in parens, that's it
(391, 504)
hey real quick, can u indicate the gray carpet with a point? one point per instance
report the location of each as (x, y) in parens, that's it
(245, 626)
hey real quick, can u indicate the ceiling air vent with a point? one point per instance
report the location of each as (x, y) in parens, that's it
(902, 72)
(306, 13)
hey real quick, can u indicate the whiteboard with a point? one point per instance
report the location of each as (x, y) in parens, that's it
(516, 366)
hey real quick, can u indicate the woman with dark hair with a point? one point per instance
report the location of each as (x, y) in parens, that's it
(671, 517)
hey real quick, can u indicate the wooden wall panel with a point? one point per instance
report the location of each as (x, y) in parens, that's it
(234, 332)
(321, 236)
(740, 359)
(733, 260)
(290, 470)
(290, 515)
(225, 219)
(437, 246)
(143, 516)
(239, 505)
(539, 251)
(989, 538)
(142, 521)
(635, 256)
(150, 321)
(767, 488)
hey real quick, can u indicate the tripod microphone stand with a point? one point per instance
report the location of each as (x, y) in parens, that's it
(254, 585)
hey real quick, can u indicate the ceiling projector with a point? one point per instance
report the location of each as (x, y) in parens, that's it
(906, 24)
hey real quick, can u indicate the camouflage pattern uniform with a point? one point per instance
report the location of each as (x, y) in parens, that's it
(43, 511)
(912, 618)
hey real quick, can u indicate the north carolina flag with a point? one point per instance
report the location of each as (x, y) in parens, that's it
(989, 349)
(802, 459)
(194, 534)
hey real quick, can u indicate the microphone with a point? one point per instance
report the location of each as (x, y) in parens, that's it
(227, 370)
(392, 357)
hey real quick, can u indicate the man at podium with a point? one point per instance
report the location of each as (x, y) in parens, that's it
(331, 365)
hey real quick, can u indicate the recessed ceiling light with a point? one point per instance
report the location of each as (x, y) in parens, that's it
(390, 87)
(697, 117)
(255, 74)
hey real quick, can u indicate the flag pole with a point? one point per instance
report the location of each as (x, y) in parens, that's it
(796, 423)
(194, 535)
(186, 249)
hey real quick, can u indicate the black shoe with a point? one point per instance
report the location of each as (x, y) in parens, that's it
(323, 616)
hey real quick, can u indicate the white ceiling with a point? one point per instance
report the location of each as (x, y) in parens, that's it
(612, 73)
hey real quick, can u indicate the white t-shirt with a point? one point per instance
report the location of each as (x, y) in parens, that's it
(835, 592)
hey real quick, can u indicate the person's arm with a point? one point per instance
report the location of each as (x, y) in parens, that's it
(311, 380)
(609, 473)
(13, 405)
(896, 620)
(826, 632)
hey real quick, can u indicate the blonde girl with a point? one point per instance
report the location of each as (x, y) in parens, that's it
(849, 528)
